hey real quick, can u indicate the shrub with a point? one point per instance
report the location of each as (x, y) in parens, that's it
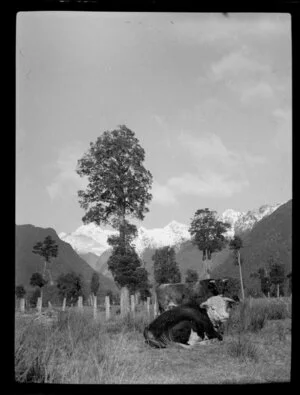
(243, 348)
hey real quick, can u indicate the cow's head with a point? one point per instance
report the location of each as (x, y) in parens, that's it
(218, 308)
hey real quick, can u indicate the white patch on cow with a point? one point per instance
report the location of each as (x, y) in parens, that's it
(217, 309)
(194, 338)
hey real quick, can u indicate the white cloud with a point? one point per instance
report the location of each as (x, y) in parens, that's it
(283, 136)
(67, 182)
(163, 194)
(237, 64)
(217, 29)
(262, 90)
(208, 184)
(209, 151)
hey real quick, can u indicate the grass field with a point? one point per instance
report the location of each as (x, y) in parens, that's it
(77, 349)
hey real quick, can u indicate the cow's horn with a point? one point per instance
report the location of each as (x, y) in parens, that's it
(228, 299)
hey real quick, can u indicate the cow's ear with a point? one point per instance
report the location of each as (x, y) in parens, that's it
(204, 305)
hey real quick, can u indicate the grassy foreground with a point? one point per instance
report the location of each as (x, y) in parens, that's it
(78, 349)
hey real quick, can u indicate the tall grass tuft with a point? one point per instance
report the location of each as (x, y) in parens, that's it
(243, 349)
(252, 314)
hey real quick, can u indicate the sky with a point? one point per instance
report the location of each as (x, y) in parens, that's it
(208, 96)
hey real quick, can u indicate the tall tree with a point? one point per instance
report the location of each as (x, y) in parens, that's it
(277, 273)
(70, 286)
(208, 234)
(236, 244)
(95, 283)
(47, 249)
(191, 276)
(20, 291)
(165, 266)
(37, 280)
(265, 283)
(118, 183)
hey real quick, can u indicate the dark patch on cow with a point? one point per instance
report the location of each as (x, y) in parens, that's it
(179, 293)
(169, 295)
(175, 325)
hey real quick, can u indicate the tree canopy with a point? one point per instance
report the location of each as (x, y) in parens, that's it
(70, 286)
(191, 276)
(37, 280)
(95, 283)
(166, 269)
(118, 183)
(47, 249)
(208, 232)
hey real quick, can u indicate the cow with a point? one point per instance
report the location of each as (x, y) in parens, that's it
(172, 295)
(189, 324)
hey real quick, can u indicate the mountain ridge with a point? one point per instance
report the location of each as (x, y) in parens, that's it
(93, 239)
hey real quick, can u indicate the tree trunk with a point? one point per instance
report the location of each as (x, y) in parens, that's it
(45, 267)
(206, 268)
(277, 290)
(241, 277)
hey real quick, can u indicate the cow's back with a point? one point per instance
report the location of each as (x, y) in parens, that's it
(169, 295)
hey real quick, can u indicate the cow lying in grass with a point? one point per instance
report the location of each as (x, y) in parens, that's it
(189, 324)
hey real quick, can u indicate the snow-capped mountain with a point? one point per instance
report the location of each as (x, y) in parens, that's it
(92, 238)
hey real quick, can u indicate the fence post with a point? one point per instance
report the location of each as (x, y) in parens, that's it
(80, 302)
(124, 302)
(22, 305)
(39, 304)
(107, 308)
(95, 307)
(64, 305)
(148, 305)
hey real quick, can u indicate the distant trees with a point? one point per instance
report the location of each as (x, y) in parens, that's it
(20, 291)
(37, 280)
(277, 274)
(191, 276)
(70, 286)
(118, 187)
(264, 278)
(236, 244)
(208, 234)
(272, 277)
(95, 283)
(165, 266)
(47, 249)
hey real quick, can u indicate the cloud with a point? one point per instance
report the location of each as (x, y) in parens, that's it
(260, 91)
(208, 151)
(237, 64)
(216, 29)
(209, 184)
(67, 182)
(163, 194)
(283, 137)
(251, 78)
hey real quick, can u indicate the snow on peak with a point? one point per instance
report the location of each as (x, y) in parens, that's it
(92, 238)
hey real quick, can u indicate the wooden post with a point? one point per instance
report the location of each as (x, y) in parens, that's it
(49, 304)
(155, 304)
(64, 304)
(148, 305)
(80, 302)
(107, 308)
(132, 300)
(22, 305)
(39, 304)
(95, 307)
(124, 302)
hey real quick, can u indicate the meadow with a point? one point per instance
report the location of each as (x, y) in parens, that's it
(76, 349)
